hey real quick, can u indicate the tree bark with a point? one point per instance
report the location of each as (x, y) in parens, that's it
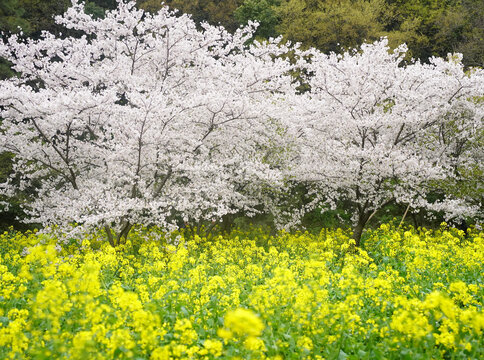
(109, 235)
(227, 222)
(358, 228)
(122, 235)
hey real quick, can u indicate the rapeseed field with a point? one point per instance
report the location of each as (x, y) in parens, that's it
(408, 294)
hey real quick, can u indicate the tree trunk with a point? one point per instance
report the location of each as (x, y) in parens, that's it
(358, 229)
(415, 221)
(227, 222)
(109, 235)
(116, 239)
(123, 234)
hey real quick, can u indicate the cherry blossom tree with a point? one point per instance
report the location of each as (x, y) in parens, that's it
(372, 129)
(142, 118)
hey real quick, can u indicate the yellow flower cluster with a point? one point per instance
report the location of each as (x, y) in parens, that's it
(410, 293)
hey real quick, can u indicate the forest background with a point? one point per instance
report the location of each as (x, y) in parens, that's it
(428, 27)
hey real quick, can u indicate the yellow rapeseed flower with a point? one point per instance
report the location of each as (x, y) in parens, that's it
(243, 322)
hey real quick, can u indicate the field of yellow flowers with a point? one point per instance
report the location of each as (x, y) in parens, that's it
(410, 294)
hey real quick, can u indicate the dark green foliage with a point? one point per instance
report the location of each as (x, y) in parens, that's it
(95, 10)
(331, 25)
(437, 27)
(428, 27)
(40, 14)
(5, 69)
(264, 12)
(105, 4)
(472, 44)
(13, 214)
(214, 12)
(12, 16)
